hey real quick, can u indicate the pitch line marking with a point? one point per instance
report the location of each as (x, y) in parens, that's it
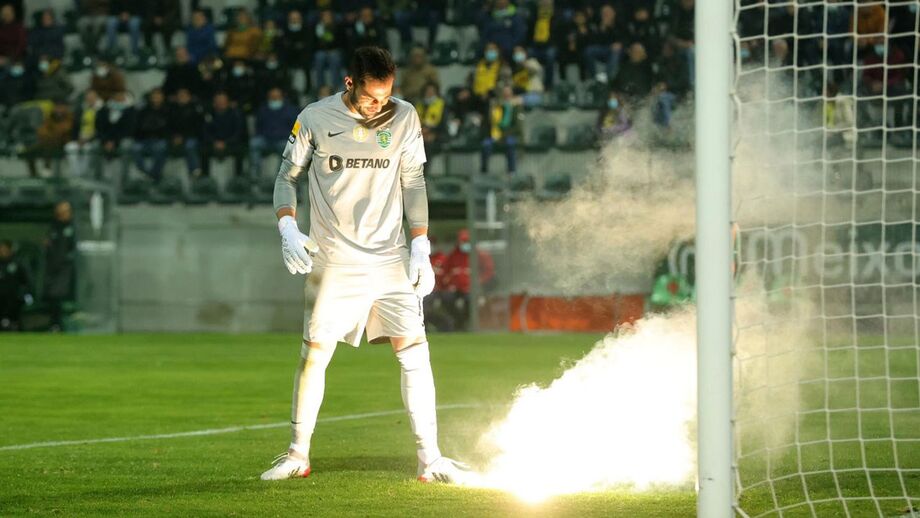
(216, 431)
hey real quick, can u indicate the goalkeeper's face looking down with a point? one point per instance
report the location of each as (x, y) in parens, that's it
(368, 97)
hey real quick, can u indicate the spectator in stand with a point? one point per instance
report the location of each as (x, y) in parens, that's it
(272, 74)
(163, 17)
(751, 30)
(213, 76)
(328, 42)
(182, 73)
(244, 38)
(12, 36)
(504, 26)
(504, 124)
(224, 135)
(18, 85)
(526, 77)
(485, 76)
(52, 135)
(544, 32)
(60, 259)
(151, 134)
(240, 84)
(885, 72)
(271, 35)
(84, 145)
(418, 74)
(869, 23)
(294, 48)
(91, 23)
(53, 82)
(15, 288)
(430, 110)
(366, 31)
(839, 117)
(48, 38)
(635, 78)
(123, 15)
(115, 125)
(681, 30)
(200, 37)
(839, 41)
(574, 39)
(456, 280)
(274, 121)
(672, 82)
(606, 43)
(107, 80)
(643, 29)
(185, 126)
(613, 119)
(429, 13)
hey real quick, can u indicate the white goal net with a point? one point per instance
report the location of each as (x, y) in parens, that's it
(825, 198)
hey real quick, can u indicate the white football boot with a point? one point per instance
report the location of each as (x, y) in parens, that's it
(447, 471)
(288, 465)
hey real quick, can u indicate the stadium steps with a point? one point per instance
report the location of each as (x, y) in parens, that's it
(555, 187)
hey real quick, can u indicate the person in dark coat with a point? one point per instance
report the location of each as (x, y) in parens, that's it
(224, 134)
(186, 118)
(12, 36)
(48, 38)
(60, 259)
(274, 120)
(115, 123)
(151, 131)
(18, 84)
(15, 288)
(182, 73)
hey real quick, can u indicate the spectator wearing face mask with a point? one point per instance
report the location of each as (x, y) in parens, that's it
(107, 80)
(485, 76)
(294, 48)
(503, 125)
(526, 77)
(84, 145)
(224, 135)
(240, 84)
(53, 82)
(272, 74)
(504, 26)
(18, 84)
(200, 37)
(328, 41)
(270, 37)
(573, 40)
(115, 125)
(274, 121)
(545, 28)
(366, 31)
(456, 278)
(430, 110)
(613, 119)
(48, 38)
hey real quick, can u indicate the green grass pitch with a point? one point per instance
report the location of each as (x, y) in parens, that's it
(72, 388)
(59, 388)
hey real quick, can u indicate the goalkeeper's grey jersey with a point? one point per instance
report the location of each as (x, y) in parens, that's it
(356, 199)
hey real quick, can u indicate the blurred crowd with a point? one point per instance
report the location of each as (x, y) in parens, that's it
(236, 99)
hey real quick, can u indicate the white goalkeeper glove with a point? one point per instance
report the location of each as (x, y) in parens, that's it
(421, 274)
(297, 248)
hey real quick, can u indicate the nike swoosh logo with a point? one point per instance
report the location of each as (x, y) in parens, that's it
(331, 134)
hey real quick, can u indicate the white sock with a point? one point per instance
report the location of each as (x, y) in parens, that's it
(418, 395)
(309, 386)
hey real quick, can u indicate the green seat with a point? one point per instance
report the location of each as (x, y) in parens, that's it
(239, 190)
(556, 187)
(541, 139)
(581, 137)
(594, 95)
(561, 97)
(135, 191)
(204, 189)
(447, 189)
(522, 182)
(445, 53)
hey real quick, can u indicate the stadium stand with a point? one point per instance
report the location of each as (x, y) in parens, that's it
(561, 61)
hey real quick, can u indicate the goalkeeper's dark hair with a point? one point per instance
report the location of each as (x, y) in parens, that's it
(372, 63)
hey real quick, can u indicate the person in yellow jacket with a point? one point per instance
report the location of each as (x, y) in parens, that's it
(244, 39)
(504, 125)
(485, 77)
(431, 113)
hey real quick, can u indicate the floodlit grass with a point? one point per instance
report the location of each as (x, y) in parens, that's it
(58, 388)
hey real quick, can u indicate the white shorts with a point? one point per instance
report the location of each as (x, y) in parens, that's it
(377, 299)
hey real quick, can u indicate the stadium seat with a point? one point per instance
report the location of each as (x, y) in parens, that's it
(447, 189)
(263, 190)
(445, 53)
(33, 196)
(541, 139)
(170, 190)
(468, 139)
(594, 95)
(204, 189)
(561, 97)
(134, 191)
(227, 17)
(482, 184)
(580, 137)
(555, 187)
(522, 183)
(239, 190)
(78, 60)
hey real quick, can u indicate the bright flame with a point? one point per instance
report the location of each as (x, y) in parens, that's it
(619, 416)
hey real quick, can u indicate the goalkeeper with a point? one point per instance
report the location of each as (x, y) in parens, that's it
(362, 153)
